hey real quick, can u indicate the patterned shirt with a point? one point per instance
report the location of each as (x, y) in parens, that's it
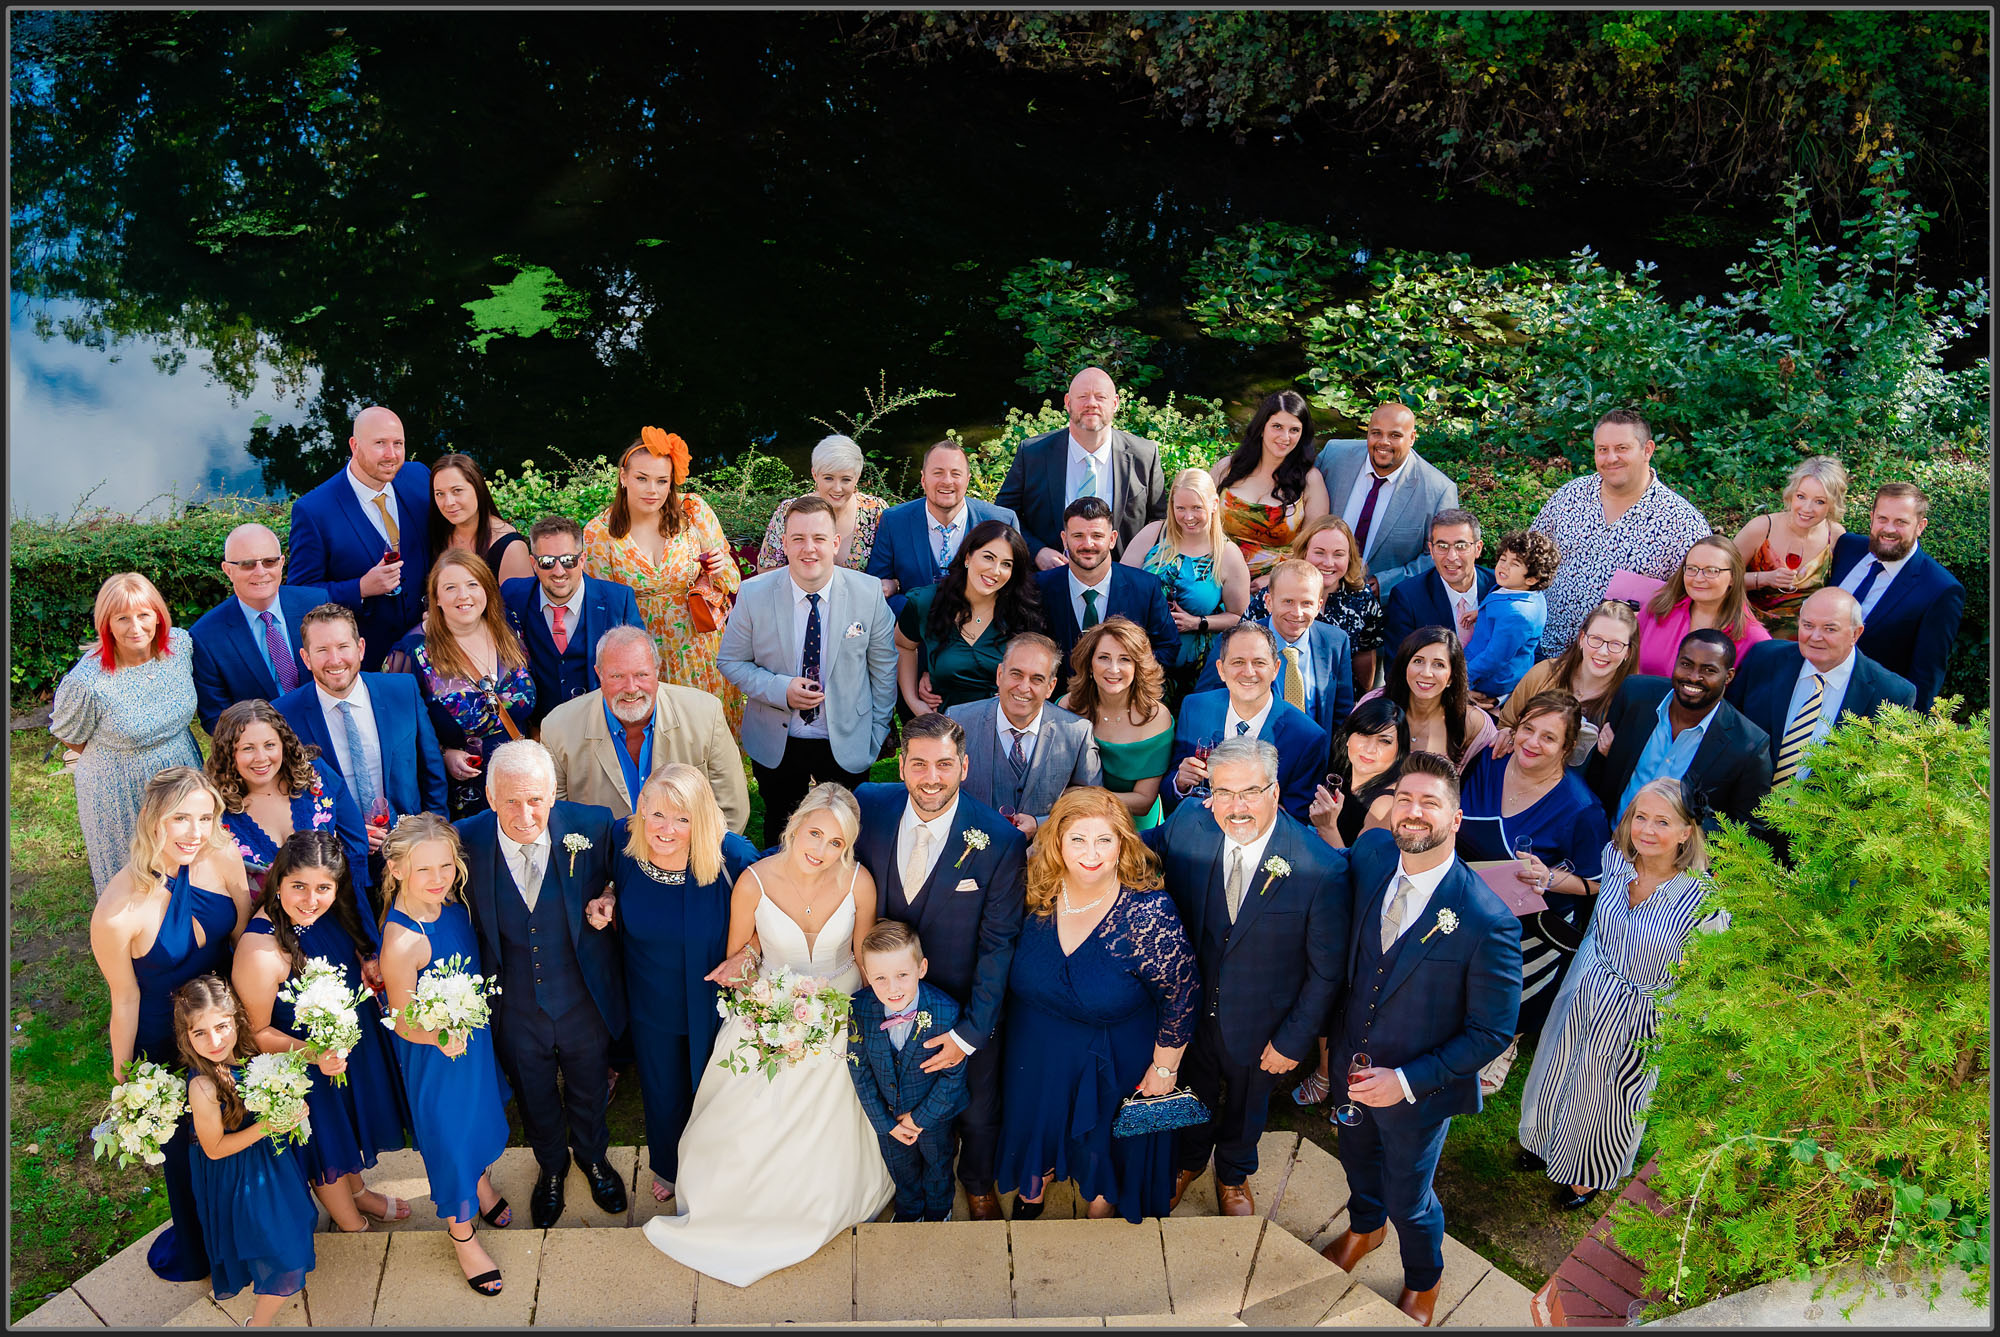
(1650, 539)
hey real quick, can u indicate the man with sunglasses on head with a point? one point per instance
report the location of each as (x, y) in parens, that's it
(247, 646)
(562, 613)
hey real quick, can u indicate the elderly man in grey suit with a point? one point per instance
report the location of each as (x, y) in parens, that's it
(812, 646)
(1089, 458)
(1020, 751)
(1387, 493)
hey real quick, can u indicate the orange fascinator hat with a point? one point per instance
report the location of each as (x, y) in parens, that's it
(666, 446)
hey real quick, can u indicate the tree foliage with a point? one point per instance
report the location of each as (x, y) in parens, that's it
(1065, 312)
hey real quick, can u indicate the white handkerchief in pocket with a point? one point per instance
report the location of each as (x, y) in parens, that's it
(966, 884)
(853, 631)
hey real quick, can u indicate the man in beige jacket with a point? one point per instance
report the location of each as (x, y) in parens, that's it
(608, 742)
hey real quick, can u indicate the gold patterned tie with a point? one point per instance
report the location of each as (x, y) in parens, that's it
(1392, 916)
(1798, 733)
(388, 519)
(1295, 679)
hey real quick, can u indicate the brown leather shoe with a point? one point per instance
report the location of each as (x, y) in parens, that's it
(1419, 1305)
(1351, 1248)
(983, 1206)
(1234, 1200)
(1182, 1179)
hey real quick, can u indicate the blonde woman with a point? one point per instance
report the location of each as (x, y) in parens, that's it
(1207, 578)
(1789, 553)
(1705, 590)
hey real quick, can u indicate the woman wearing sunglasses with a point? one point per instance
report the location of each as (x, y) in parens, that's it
(562, 613)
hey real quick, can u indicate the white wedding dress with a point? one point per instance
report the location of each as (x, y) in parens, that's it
(771, 1169)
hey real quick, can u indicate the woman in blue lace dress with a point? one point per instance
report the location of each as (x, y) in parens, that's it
(273, 783)
(167, 916)
(1100, 1003)
(125, 708)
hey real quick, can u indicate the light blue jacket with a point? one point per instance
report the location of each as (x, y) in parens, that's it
(1502, 648)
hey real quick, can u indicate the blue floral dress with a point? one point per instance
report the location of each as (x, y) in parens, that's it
(467, 715)
(135, 722)
(322, 804)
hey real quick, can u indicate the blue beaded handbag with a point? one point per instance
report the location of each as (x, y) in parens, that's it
(1138, 1115)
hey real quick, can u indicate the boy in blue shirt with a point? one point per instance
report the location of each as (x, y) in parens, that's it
(1511, 617)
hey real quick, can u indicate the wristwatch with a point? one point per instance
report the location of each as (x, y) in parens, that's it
(1167, 1073)
(1204, 626)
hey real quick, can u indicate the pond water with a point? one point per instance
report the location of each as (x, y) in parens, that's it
(530, 233)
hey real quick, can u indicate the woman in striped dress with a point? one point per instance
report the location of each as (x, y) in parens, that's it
(1582, 1113)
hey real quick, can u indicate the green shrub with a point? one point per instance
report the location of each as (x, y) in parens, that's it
(1826, 1062)
(1065, 312)
(1257, 284)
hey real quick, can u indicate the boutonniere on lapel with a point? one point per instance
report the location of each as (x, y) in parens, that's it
(1446, 923)
(575, 844)
(853, 630)
(975, 839)
(923, 1024)
(1274, 868)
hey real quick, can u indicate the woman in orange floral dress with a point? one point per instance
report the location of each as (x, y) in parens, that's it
(669, 547)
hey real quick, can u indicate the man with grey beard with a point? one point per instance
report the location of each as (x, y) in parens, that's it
(607, 743)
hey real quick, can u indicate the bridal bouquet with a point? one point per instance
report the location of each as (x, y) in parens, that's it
(324, 1008)
(274, 1088)
(450, 1000)
(789, 1017)
(145, 1109)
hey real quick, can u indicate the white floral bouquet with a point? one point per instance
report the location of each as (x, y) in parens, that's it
(450, 1000)
(145, 1109)
(274, 1088)
(325, 1009)
(789, 1016)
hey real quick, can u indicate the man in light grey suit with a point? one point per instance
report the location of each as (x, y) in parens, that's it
(1020, 751)
(813, 647)
(1387, 493)
(1089, 458)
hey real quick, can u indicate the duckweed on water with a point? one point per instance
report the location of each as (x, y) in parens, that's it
(533, 301)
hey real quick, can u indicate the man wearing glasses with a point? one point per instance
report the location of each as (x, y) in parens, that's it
(247, 646)
(1448, 594)
(1266, 905)
(562, 612)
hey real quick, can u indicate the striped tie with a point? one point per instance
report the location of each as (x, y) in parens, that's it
(1798, 733)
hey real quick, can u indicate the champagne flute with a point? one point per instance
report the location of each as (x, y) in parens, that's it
(394, 553)
(1348, 1114)
(1524, 848)
(1202, 747)
(1549, 878)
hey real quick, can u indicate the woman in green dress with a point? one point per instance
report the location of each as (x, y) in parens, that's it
(951, 636)
(1118, 686)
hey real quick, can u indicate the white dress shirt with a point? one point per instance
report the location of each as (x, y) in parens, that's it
(572, 612)
(801, 614)
(1253, 858)
(953, 530)
(364, 724)
(1103, 588)
(1031, 731)
(1831, 696)
(1230, 719)
(528, 863)
(1080, 461)
(1422, 887)
(906, 834)
(1357, 497)
(1852, 580)
(366, 495)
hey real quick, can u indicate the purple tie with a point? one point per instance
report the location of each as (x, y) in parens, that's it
(1367, 515)
(281, 654)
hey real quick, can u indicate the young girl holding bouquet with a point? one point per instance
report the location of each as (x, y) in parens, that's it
(452, 1077)
(256, 1214)
(307, 911)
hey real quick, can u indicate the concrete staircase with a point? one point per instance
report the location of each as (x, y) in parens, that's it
(1193, 1269)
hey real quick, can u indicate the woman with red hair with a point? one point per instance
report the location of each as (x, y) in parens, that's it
(126, 708)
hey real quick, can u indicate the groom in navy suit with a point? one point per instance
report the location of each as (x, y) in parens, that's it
(955, 870)
(1093, 589)
(1266, 904)
(364, 534)
(1434, 992)
(247, 646)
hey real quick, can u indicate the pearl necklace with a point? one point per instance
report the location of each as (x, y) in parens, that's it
(1069, 909)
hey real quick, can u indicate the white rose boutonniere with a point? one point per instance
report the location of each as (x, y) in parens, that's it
(576, 845)
(1274, 868)
(974, 840)
(923, 1021)
(1446, 923)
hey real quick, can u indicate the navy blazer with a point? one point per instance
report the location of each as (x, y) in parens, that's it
(1134, 593)
(1732, 766)
(1301, 748)
(969, 912)
(334, 544)
(889, 1081)
(1450, 1002)
(597, 952)
(903, 551)
(1914, 625)
(413, 771)
(560, 678)
(1422, 601)
(1037, 482)
(1762, 688)
(227, 667)
(1284, 960)
(1332, 689)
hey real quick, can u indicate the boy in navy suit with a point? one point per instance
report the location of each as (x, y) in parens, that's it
(911, 1109)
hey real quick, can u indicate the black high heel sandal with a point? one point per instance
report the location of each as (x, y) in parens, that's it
(1028, 1211)
(500, 1216)
(484, 1279)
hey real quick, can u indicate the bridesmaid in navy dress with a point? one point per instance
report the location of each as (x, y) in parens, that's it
(273, 784)
(307, 910)
(255, 1212)
(454, 1088)
(671, 886)
(1100, 1003)
(167, 916)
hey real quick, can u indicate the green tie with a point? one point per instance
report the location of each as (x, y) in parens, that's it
(1798, 732)
(1089, 609)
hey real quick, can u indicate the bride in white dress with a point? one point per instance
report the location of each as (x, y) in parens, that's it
(771, 1169)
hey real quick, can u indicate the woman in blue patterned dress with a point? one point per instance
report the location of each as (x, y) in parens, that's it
(309, 909)
(167, 916)
(1100, 1001)
(1583, 1110)
(273, 784)
(473, 673)
(1206, 577)
(126, 707)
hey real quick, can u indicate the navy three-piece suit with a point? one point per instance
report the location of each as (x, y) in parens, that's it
(892, 1081)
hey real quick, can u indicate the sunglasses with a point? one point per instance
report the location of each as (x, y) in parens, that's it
(255, 563)
(568, 561)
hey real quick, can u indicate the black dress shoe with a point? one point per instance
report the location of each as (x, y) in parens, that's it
(607, 1190)
(1530, 1162)
(1574, 1202)
(545, 1205)
(1028, 1211)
